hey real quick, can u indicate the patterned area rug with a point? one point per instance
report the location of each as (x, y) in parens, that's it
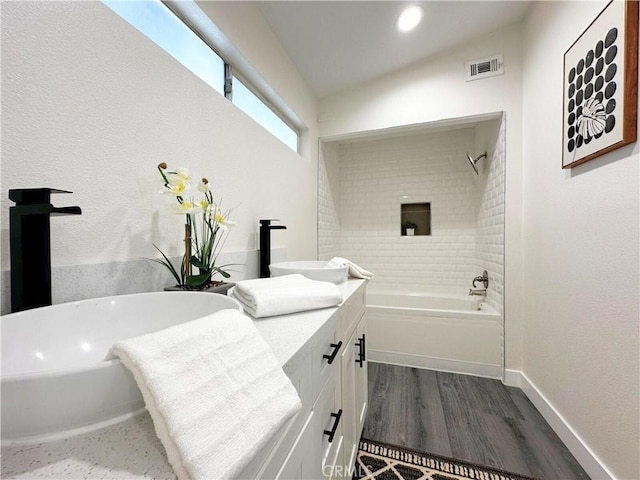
(379, 461)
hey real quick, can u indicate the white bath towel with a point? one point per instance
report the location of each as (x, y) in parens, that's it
(266, 297)
(215, 392)
(354, 270)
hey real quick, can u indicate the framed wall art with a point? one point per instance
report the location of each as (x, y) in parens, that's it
(601, 85)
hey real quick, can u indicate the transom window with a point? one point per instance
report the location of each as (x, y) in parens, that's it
(161, 25)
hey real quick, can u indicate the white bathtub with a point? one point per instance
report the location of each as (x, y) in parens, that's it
(457, 333)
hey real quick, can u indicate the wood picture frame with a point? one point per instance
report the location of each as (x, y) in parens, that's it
(600, 84)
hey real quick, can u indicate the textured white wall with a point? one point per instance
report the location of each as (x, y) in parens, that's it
(581, 257)
(436, 90)
(91, 105)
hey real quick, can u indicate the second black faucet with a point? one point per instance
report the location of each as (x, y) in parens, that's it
(265, 245)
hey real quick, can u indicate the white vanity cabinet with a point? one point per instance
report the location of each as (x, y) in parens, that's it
(353, 376)
(329, 431)
(362, 376)
(312, 452)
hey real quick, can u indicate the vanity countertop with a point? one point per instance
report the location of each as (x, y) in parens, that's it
(130, 449)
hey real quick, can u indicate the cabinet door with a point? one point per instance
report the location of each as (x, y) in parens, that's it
(348, 371)
(326, 450)
(326, 357)
(333, 464)
(361, 377)
(299, 464)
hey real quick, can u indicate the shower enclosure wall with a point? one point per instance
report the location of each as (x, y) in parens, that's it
(363, 184)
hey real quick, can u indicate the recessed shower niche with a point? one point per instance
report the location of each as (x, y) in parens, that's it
(415, 219)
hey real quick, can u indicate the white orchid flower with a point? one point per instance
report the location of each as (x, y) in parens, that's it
(178, 188)
(223, 222)
(185, 208)
(183, 173)
(204, 205)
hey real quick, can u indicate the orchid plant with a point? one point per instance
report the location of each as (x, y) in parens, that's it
(205, 229)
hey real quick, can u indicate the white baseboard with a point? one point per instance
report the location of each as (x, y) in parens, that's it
(513, 378)
(583, 454)
(433, 363)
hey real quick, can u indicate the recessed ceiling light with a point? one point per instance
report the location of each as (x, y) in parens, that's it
(410, 18)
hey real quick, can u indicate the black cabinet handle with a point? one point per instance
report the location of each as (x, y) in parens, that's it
(364, 348)
(336, 349)
(361, 351)
(332, 432)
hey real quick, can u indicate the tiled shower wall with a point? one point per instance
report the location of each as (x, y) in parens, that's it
(490, 225)
(375, 176)
(359, 215)
(328, 202)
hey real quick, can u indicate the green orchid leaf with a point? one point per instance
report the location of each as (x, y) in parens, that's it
(197, 280)
(221, 272)
(195, 261)
(167, 263)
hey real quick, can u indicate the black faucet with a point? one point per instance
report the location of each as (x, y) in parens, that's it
(30, 244)
(265, 245)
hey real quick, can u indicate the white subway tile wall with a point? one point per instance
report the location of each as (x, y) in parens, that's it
(328, 202)
(376, 175)
(490, 224)
(361, 187)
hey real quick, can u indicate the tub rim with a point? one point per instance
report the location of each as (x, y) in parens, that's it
(485, 310)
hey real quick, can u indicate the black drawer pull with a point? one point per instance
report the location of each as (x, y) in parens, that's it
(336, 349)
(364, 348)
(332, 432)
(362, 352)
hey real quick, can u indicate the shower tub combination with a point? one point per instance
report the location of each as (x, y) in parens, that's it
(457, 333)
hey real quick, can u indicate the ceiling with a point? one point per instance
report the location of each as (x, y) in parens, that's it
(339, 44)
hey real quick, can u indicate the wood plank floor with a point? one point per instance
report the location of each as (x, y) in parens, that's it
(479, 420)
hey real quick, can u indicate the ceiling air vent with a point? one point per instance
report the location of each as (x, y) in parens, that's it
(484, 67)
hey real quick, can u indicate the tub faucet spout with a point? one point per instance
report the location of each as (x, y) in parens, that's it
(478, 291)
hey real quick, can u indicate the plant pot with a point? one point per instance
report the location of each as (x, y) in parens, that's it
(212, 287)
(411, 232)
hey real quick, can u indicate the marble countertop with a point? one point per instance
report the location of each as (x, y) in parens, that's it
(130, 449)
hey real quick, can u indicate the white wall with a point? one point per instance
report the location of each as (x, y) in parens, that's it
(581, 258)
(91, 105)
(436, 90)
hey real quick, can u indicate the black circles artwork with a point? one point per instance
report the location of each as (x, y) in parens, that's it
(596, 84)
(593, 117)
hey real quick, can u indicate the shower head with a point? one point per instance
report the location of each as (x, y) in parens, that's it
(474, 161)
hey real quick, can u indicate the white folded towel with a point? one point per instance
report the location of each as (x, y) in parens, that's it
(215, 392)
(266, 297)
(354, 270)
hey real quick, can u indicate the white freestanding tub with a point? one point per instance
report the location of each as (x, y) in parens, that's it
(458, 333)
(57, 370)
